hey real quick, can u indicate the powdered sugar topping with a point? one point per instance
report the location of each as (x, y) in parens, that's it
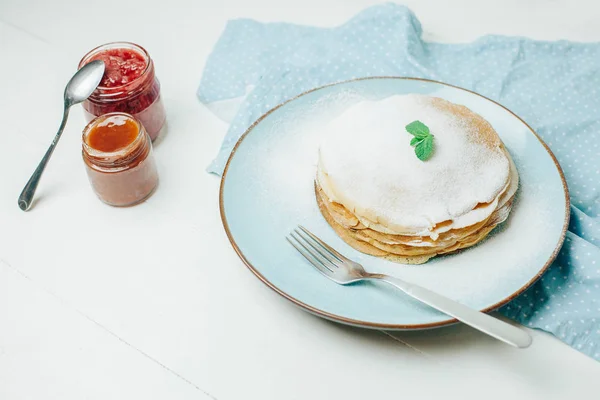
(367, 164)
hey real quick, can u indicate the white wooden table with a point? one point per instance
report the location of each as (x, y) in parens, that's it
(151, 302)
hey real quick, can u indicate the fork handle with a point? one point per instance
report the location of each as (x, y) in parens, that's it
(485, 323)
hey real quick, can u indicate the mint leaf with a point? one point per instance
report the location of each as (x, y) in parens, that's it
(424, 149)
(418, 129)
(422, 140)
(414, 141)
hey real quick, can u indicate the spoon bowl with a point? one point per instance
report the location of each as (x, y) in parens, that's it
(84, 82)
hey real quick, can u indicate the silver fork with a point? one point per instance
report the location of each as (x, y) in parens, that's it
(345, 271)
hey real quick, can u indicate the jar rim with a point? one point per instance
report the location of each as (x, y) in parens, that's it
(118, 45)
(119, 153)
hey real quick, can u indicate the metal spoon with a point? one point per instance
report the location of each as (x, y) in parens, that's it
(79, 88)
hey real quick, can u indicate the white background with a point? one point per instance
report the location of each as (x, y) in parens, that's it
(151, 302)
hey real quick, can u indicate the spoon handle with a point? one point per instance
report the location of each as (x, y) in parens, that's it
(26, 197)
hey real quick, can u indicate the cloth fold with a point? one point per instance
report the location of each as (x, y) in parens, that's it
(554, 86)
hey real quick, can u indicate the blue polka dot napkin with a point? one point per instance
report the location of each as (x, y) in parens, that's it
(554, 86)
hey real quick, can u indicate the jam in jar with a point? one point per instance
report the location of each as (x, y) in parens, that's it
(118, 157)
(129, 85)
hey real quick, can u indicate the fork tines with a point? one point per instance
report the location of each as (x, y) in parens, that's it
(317, 252)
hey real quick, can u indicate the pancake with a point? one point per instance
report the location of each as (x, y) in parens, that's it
(382, 200)
(451, 242)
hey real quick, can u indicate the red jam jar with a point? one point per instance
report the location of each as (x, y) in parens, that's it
(118, 157)
(129, 85)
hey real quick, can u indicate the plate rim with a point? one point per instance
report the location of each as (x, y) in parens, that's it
(376, 325)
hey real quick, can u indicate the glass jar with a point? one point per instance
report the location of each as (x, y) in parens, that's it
(118, 157)
(129, 85)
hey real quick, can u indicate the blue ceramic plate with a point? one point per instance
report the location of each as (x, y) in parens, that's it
(267, 189)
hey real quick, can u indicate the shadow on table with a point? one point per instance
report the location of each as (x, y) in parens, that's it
(467, 346)
(162, 135)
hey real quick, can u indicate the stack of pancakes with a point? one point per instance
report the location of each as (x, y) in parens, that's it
(383, 201)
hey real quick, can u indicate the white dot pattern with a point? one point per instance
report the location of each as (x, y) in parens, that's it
(554, 86)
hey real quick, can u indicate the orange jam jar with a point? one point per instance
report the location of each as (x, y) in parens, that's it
(117, 152)
(129, 85)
